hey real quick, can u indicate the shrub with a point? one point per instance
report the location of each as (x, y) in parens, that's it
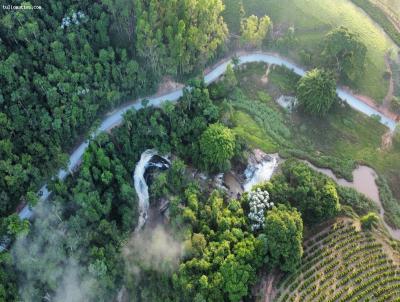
(369, 220)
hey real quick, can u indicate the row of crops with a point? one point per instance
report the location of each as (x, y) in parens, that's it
(343, 264)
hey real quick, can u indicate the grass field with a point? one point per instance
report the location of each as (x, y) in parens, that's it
(248, 129)
(339, 142)
(344, 263)
(312, 19)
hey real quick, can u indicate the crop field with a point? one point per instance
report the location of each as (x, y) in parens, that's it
(343, 263)
(312, 19)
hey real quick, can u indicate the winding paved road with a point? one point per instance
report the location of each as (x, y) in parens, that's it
(116, 117)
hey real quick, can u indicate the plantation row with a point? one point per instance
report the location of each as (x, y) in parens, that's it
(342, 264)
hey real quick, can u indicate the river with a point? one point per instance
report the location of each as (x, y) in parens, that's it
(364, 181)
(116, 117)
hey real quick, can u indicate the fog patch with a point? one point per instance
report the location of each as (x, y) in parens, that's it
(46, 259)
(73, 288)
(152, 249)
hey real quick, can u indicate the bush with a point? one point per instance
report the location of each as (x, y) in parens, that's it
(369, 220)
(389, 203)
(359, 202)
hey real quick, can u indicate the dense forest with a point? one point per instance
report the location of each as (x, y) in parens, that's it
(67, 64)
(60, 71)
(93, 213)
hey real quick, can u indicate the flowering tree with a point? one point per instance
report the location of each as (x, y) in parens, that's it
(259, 203)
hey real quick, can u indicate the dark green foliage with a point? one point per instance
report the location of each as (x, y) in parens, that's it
(369, 220)
(176, 179)
(345, 53)
(56, 80)
(8, 278)
(54, 83)
(312, 193)
(284, 237)
(87, 221)
(95, 209)
(224, 87)
(359, 202)
(217, 147)
(316, 92)
(389, 203)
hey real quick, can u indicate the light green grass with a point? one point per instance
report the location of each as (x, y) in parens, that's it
(312, 19)
(252, 133)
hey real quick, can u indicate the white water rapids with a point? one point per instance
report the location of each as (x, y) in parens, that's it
(260, 172)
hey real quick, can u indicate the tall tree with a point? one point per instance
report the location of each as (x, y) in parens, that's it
(316, 92)
(217, 146)
(284, 236)
(344, 52)
(122, 12)
(178, 36)
(254, 30)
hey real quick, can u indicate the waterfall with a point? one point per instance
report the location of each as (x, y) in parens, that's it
(260, 171)
(149, 158)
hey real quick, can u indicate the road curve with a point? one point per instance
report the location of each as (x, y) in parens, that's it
(115, 118)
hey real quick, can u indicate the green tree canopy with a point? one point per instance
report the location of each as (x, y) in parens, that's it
(344, 52)
(284, 236)
(177, 36)
(312, 193)
(369, 220)
(316, 92)
(223, 257)
(217, 146)
(254, 30)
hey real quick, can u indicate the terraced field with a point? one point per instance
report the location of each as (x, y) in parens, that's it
(343, 263)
